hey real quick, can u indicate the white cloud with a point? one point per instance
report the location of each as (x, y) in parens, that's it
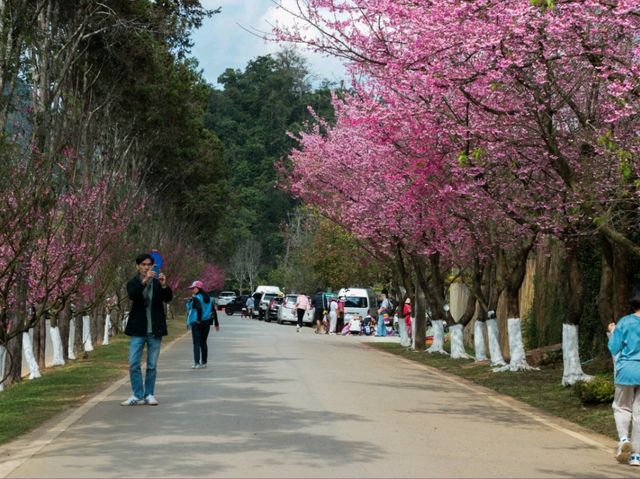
(224, 42)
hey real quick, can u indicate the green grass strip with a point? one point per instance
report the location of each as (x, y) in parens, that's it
(28, 404)
(541, 389)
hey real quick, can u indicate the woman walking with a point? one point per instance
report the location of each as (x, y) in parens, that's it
(201, 314)
(302, 306)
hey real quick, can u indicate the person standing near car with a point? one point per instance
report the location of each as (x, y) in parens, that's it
(201, 315)
(302, 306)
(317, 304)
(250, 304)
(147, 324)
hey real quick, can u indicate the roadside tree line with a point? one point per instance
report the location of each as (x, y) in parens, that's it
(473, 133)
(103, 155)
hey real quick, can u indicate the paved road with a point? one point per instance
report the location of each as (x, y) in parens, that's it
(279, 404)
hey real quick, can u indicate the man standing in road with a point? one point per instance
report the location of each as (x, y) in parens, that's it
(147, 324)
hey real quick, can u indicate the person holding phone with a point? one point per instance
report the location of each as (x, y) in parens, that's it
(147, 324)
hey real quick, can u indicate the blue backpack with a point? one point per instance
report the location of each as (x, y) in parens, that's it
(207, 309)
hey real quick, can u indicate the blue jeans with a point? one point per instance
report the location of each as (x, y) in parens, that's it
(381, 330)
(136, 346)
(199, 334)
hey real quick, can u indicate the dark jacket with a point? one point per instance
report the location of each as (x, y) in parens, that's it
(137, 322)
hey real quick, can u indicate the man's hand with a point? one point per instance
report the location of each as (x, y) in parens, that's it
(163, 280)
(611, 327)
(148, 277)
(217, 328)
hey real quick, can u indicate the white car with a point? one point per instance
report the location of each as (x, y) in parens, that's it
(288, 314)
(225, 298)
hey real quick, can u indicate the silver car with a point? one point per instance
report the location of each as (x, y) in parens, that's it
(287, 312)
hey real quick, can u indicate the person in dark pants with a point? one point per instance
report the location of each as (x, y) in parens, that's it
(302, 306)
(317, 304)
(147, 324)
(202, 314)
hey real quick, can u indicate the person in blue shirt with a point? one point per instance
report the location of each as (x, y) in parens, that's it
(624, 344)
(201, 313)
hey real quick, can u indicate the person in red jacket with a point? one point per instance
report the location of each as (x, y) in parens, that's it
(406, 312)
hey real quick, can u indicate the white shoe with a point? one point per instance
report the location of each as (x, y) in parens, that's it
(132, 401)
(195, 366)
(203, 366)
(297, 329)
(624, 451)
(635, 460)
(151, 401)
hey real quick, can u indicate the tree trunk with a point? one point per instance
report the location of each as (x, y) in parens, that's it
(14, 354)
(58, 349)
(457, 342)
(64, 322)
(420, 320)
(437, 346)
(478, 340)
(87, 343)
(27, 349)
(494, 341)
(97, 324)
(40, 341)
(518, 360)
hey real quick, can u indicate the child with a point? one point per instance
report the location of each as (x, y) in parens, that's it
(624, 345)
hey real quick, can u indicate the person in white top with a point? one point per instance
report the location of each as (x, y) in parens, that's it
(333, 316)
(302, 306)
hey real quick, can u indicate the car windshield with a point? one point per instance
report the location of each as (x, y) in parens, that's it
(268, 297)
(356, 302)
(290, 299)
(227, 293)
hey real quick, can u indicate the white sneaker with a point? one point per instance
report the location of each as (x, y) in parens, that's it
(151, 401)
(195, 366)
(635, 460)
(297, 329)
(624, 451)
(132, 401)
(203, 366)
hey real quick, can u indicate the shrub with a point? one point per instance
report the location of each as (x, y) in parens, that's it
(597, 391)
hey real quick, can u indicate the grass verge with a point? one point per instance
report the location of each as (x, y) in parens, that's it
(26, 405)
(541, 389)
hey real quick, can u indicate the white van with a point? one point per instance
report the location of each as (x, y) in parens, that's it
(268, 289)
(357, 301)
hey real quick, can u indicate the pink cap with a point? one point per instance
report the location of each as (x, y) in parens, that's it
(197, 284)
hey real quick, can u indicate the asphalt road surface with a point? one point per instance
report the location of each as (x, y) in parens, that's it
(276, 403)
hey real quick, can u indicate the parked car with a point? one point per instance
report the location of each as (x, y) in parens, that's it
(236, 305)
(225, 298)
(272, 310)
(263, 305)
(287, 312)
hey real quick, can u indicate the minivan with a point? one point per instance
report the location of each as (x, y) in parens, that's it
(357, 301)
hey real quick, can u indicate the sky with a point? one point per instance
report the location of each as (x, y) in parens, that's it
(224, 42)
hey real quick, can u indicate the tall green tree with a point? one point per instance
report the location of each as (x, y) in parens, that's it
(252, 114)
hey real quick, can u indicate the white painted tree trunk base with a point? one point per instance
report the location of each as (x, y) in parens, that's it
(86, 334)
(27, 351)
(457, 342)
(405, 341)
(478, 341)
(72, 338)
(56, 341)
(438, 338)
(516, 348)
(107, 328)
(3, 355)
(494, 344)
(571, 356)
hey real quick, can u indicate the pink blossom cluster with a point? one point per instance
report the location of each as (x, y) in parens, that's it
(471, 123)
